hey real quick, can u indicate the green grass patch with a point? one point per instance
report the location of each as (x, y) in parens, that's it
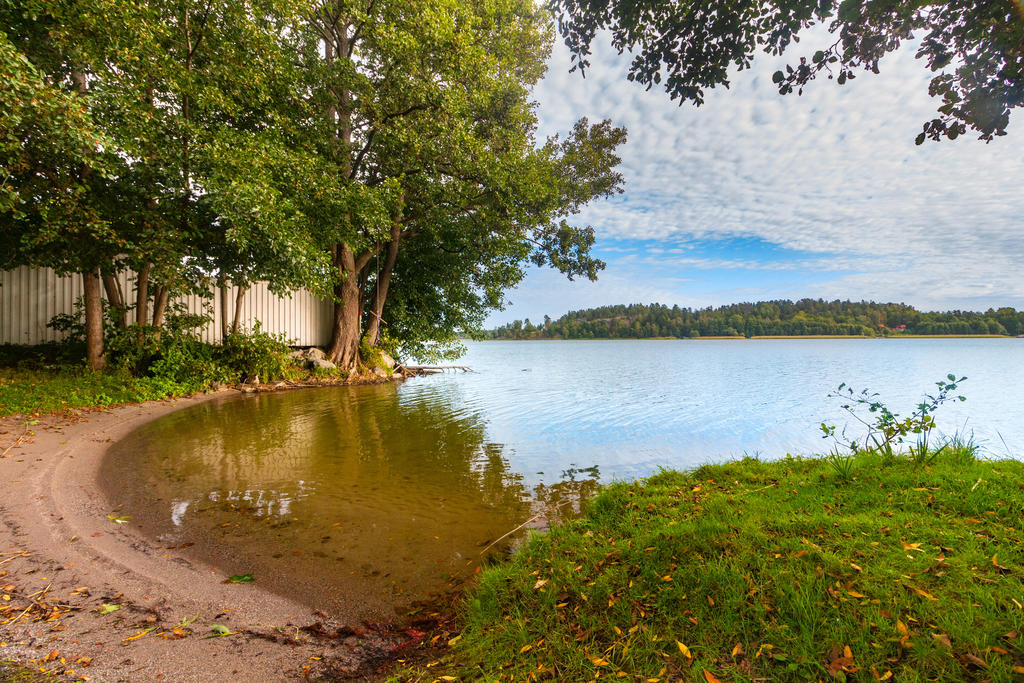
(787, 570)
(38, 391)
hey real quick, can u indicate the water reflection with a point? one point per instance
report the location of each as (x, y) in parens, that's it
(358, 500)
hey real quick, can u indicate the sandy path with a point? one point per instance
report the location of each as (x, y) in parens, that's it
(52, 509)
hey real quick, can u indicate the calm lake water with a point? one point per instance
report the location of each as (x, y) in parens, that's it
(362, 500)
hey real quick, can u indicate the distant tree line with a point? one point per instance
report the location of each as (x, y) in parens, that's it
(767, 318)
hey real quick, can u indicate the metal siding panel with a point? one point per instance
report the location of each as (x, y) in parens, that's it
(30, 297)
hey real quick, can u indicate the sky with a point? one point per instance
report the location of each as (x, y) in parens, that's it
(757, 196)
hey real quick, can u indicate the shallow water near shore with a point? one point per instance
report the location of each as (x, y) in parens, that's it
(362, 500)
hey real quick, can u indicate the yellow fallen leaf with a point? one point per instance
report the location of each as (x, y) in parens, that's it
(454, 640)
(540, 583)
(685, 650)
(886, 676)
(855, 594)
(737, 649)
(598, 661)
(710, 677)
(902, 628)
(138, 635)
(525, 648)
(847, 652)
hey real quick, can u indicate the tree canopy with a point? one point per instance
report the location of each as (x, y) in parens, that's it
(380, 152)
(974, 48)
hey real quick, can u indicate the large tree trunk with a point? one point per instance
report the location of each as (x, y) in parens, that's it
(160, 304)
(343, 349)
(93, 320)
(380, 296)
(142, 294)
(239, 295)
(115, 295)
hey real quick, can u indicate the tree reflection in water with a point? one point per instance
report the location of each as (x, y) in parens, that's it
(356, 500)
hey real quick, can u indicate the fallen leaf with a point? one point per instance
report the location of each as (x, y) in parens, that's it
(943, 639)
(525, 648)
(107, 609)
(737, 650)
(598, 661)
(540, 583)
(999, 566)
(138, 635)
(911, 546)
(902, 628)
(119, 520)
(710, 677)
(219, 631)
(240, 578)
(977, 661)
(685, 650)
(855, 594)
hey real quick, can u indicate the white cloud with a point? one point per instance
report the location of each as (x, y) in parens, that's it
(833, 172)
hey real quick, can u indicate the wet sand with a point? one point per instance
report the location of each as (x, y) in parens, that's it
(62, 557)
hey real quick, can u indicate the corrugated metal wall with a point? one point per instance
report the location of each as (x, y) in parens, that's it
(30, 297)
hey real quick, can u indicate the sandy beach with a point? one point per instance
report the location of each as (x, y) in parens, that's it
(64, 556)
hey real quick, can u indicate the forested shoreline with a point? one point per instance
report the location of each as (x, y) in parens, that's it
(780, 318)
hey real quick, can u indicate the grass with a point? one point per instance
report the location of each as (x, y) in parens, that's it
(39, 391)
(12, 672)
(875, 569)
(37, 380)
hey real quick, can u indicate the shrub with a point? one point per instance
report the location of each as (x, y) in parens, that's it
(257, 354)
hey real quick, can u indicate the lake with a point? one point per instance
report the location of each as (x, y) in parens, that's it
(362, 500)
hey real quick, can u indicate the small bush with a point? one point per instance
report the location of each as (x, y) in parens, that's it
(257, 354)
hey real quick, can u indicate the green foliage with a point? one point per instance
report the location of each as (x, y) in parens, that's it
(766, 570)
(886, 431)
(806, 317)
(257, 354)
(975, 49)
(37, 391)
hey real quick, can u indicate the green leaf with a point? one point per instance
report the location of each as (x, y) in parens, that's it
(108, 608)
(241, 578)
(220, 631)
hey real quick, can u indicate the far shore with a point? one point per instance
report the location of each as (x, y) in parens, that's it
(775, 336)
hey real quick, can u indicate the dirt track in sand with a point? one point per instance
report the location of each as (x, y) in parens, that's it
(62, 558)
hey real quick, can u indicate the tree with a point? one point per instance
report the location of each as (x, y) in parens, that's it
(56, 161)
(975, 48)
(430, 127)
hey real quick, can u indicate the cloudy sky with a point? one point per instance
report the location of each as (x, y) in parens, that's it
(756, 196)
